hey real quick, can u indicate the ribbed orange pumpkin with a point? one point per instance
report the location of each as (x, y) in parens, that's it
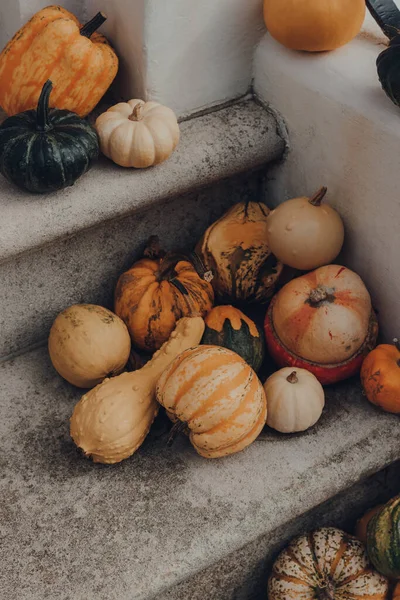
(53, 45)
(380, 376)
(218, 396)
(155, 293)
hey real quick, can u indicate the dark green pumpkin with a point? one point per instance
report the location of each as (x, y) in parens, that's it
(388, 65)
(45, 150)
(387, 15)
(383, 539)
(228, 327)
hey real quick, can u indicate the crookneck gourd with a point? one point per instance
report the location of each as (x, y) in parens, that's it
(228, 327)
(45, 150)
(235, 250)
(387, 15)
(110, 422)
(217, 396)
(54, 45)
(156, 292)
(88, 343)
(326, 564)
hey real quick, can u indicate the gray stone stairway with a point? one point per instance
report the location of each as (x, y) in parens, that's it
(166, 523)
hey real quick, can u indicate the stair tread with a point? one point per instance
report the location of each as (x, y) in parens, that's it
(230, 141)
(72, 529)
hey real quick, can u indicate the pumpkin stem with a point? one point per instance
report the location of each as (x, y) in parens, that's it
(91, 26)
(396, 342)
(292, 378)
(326, 593)
(42, 111)
(318, 295)
(178, 428)
(318, 196)
(137, 113)
(387, 15)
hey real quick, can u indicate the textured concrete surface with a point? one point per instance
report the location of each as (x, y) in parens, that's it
(244, 574)
(216, 146)
(36, 285)
(344, 133)
(75, 531)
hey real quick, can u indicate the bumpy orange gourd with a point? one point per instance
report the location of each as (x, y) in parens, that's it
(155, 293)
(380, 376)
(362, 524)
(53, 45)
(217, 396)
(314, 25)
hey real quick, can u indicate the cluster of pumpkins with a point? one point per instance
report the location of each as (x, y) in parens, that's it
(318, 329)
(312, 26)
(53, 73)
(328, 563)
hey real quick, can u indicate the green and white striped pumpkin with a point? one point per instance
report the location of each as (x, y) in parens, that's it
(383, 539)
(327, 564)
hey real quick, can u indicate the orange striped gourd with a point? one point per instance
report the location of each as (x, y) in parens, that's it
(218, 396)
(53, 45)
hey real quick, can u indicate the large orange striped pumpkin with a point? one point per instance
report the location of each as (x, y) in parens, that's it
(155, 293)
(53, 45)
(218, 396)
(326, 564)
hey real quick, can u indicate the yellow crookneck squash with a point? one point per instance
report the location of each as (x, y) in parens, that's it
(53, 45)
(110, 422)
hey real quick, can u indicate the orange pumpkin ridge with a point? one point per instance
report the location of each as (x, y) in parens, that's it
(52, 46)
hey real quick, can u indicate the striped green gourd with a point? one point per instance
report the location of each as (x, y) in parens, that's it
(383, 539)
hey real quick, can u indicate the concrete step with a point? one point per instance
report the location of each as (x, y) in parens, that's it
(73, 530)
(71, 246)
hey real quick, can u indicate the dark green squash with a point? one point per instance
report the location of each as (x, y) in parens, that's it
(383, 539)
(387, 15)
(228, 327)
(45, 150)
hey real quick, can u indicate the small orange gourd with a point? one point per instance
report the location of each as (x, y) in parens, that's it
(53, 45)
(380, 376)
(313, 25)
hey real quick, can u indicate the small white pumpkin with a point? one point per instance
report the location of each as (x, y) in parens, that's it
(138, 134)
(88, 343)
(295, 400)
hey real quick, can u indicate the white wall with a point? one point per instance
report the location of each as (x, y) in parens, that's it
(15, 13)
(193, 53)
(345, 134)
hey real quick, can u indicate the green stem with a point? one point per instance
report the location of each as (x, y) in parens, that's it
(89, 28)
(387, 15)
(42, 111)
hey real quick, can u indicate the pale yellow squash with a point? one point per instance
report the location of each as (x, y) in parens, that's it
(110, 422)
(88, 343)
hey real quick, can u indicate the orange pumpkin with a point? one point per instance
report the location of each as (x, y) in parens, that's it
(396, 593)
(53, 45)
(155, 293)
(380, 376)
(362, 524)
(214, 393)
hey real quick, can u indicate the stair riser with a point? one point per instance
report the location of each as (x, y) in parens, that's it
(244, 574)
(84, 268)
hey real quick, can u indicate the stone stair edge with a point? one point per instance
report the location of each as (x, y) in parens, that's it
(241, 137)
